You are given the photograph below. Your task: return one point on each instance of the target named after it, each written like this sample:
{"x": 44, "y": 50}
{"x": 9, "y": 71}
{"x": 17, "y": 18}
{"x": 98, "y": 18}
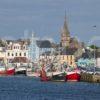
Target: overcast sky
{"x": 46, "y": 17}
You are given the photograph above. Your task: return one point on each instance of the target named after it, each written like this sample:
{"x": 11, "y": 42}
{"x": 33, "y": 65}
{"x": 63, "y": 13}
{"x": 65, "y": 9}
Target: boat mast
{"x": 94, "y": 51}
{"x": 94, "y": 59}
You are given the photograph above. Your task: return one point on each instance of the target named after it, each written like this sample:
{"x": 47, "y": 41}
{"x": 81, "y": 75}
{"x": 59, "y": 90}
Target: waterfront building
{"x": 65, "y": 35}
{"x": 71, "y": 48}
{"x": 46, "y": 51}
{"x": 20, "y": 61}
{"x": 98, "y": 58}
{"x": 16, "y": 49}
{"x": 98, "y": 62}
{"x": 39, "y": 49}
{"x": 33, "y": 49}
{"x": 66, "y": 39}
{"x": 89, "y": 58}
{"x": 86, "y": 62}
{"x": 68, "y": 57}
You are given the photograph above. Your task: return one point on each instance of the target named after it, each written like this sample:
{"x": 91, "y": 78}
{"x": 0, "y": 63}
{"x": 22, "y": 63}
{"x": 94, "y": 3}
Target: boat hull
{"x": 34, "y": 74}
{"x": 43, "y": 76}
{"x": 10, "y": 71}
{"x": 2, "y": 71}
{"x": 20, "y": 70}
{"x": 73, "y": 77}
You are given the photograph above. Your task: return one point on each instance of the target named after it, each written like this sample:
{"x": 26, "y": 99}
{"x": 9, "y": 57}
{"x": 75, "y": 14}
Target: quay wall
{"x": 86, "y": 77}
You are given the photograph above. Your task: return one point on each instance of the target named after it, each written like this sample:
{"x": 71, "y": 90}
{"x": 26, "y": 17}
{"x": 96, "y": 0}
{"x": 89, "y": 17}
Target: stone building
{"x": 66, "y": 39}
{"x": 65, "y": 35}
{"x": 70, "y": 43}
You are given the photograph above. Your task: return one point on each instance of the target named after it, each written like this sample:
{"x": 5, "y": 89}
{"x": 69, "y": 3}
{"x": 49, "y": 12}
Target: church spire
{"x": 65, "y": 27}
{"x": 65, "y": 34}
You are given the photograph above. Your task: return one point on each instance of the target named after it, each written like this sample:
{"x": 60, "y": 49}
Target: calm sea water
{"x": 26, "y": 88}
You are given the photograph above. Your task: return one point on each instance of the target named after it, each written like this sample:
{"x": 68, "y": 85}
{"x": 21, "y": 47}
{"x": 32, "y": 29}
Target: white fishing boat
{"x": 2, "y": 70}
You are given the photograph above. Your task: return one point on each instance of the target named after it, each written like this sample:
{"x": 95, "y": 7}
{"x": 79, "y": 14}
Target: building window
{"x": 16, "y": 54}
{"x": 8, "y": 54}
{"x": 20, "y": 54}
{"x": 24, "y": 54}
{"x": 12, "y": 54}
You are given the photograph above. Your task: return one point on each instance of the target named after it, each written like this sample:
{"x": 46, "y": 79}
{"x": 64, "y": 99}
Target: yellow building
{"x": 68, "y": 55}
{"x": 69, "y": 59}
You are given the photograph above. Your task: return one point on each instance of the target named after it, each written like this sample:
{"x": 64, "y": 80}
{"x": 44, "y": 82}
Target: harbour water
{"x": 29, "y": 88}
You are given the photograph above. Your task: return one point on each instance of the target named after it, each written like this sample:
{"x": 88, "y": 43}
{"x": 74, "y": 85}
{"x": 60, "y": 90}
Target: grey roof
{"x": 44, "y": 44}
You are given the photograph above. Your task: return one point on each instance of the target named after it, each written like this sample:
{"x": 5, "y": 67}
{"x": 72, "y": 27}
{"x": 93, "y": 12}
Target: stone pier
{"x": 86, "y": 77}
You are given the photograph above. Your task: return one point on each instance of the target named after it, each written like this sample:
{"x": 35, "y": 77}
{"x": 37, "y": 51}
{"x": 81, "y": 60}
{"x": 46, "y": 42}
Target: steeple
{"x": 65, "y": 34}
{"x": 65, "y": 27}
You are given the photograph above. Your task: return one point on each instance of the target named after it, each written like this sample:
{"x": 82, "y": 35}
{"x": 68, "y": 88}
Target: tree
{"x": 2, "y": 44}
{"x": 94, "y": 47}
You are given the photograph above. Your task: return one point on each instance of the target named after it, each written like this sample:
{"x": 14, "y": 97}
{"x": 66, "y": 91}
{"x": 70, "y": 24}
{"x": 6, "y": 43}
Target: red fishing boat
{"x": 6, "y": 70}
{"x": 2, "y": 71}
{"x": 73, "y": 75}
{"x": 43, "y": 75}
{"x": 10, "y": 71}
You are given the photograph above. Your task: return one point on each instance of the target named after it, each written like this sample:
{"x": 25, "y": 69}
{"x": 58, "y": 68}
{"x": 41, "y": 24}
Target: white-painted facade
{"x": 98, "y": 62}
{"x": 16, "y": 50}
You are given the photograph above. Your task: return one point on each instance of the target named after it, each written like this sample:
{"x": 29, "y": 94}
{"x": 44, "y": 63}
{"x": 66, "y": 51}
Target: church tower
{"x": 65, "y": 35}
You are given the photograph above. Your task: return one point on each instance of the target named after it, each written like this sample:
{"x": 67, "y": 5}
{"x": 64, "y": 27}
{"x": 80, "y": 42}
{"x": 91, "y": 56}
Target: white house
{"x": 98, "y": 62}
{"x": 16, "y": 49}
